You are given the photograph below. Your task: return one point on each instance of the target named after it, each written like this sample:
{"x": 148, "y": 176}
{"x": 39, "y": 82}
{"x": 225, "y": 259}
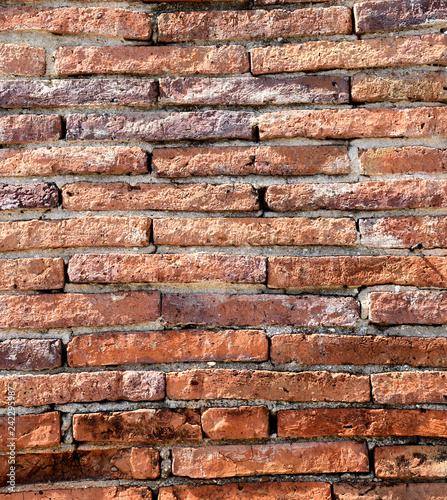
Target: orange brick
{"x": 380, "y": 491}
{"x": 31, "y": 431}
{"x": 22, "y": 60}
{"x": 109, "y": 493}
{"x": 31, "y": 274}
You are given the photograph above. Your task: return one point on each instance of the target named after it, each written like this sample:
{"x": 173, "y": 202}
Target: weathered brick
{"x": 167, "y": 347}
{"x": 246, "y": 460}
{"x": 352, "y": 54}
{"x": 398, "y": 14}
{"x": 32, "y": 196}
{"x": 252, "y": 24}
{"x": 30, "y": 354}
{"x": 354, "y": 123}
{"x": 169, "y": 197}
{"x": 79, "y": 232}
{"x": 243, "y": 422}
{"x": 254, "y": 231}
{"x": 77, "y": 21}
{"x": 65, "y": 310}
{"x": 22, "y": 129}
{"x": 247, "y": 491}
{"x": 144, "y": 426}
{"x": 410, "y": 462}
{"x": 108, "y": 493}
{"x": 160, "y": 126}
{"x": 280, "y": 2}
{"x": 409, "y": 387}
{"x": 208, "y": 60}
{"x": 65, "y": 93}
{"x": 420, "y": 308}
{"x": 31, "y": 431}
{"x": 381, "y": 491}
{"x": 81, "y": 465}
{"x": 361, "y": 422}
{"x": 22, "y": 60}
{"x": 38, "y": 390}
{"x": 112, "y": 160}
{"x": 255, "y": 91}
{"x": 31, "y": 274}
{"x": 256, "y": 310}
{"x": 337, "y": 272}
{"x": 263, "y": 160}
{"x": 308, "y": 349}
{"x": 266, "y": 385}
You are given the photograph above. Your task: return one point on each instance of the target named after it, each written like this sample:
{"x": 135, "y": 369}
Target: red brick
{"x": 337, "y": 272}
{"x": 420, "y": 308}
{"x": 254, "y": 91}
{"x": 160, "y": 126}
{"x": 254, "y": 231}
{"x": 64, "y": 93}
{"x": 112, "y": 160}
{"x": 77, "y": 309}
{"x": 262, "y": 160}
{"x": 140, "y": 426}
{"x": 268, "y": 386}
{"x": 354, "y": 123}
{"x": 167, "y": 347}
{"x": 281, "y": 2}
{"x": 252, "y": 24}
{"x": 22, "y": 60}
{"x": 350, "y": 54}
{"x": 243, "y": 422}
{"x": 255, "y": 310}
{"x": 38, "y": 390}
{"x": 210, "y": 60}
{"x": 380, "y": 491}
{"x": 77, "y": 21}
{"x": 33, "y": 196}
{"x": 308, "y": 349}
{"x": 246, "y": 460}
{"x": 22, "y": 129}
{"x": 169, "y": 197}
{"x": 81, "y": 465}
{"x": 31, "y": 431}
{"x": 166, "y": 268}
{"x": 79, "y": 232}
{"x": 248, "y": 491}
{"x": 31, "y": 274}
{"x": 30, "y": 354}
{"x": 362, "y": 422}
{"x": 109, "y": 493}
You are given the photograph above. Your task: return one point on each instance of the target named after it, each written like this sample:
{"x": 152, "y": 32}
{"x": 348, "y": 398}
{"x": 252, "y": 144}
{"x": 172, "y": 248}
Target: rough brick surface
{"x": 380, "y": 491}
{"x": 22, "y": 60}
{"x": 108, "y": 493}
{"x": 30, "y": 354}
{"x": 31, "y": 431}
{"x": 34, "y": 196}
{"x": 22, "y": 129}
{"x": 31, "y": 274}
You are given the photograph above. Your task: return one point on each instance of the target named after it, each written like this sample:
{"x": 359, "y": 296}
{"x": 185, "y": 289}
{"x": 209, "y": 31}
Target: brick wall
{"x": 223, "y": 246}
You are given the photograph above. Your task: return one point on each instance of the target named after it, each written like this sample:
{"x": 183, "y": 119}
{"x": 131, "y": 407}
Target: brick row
{"x": 91, "y": 493}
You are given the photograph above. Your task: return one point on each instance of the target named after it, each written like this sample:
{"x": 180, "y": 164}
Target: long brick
{"x": 409, "y": 387}
{"x": 65, "y": 93}
{"x": 281, "y": 2}
{"x": 23, "y": 129}
{"x": 78, "y": 232}
{"x": 31, "y": 274}
{"x": 336, "y": 272}
{"x": 30, "y": 354}
{"x": 362, "y": 422}
{"x": 112, "y": 160}
{"x": 269, "y": 386}
{"x": 83, "y": 387}
{"x": 248, "y": 491}
{"x": 167, "y": 347}
{"x": 77, "y": 21}
{"x": 263, "y": 160}
{"x": 83, "y": 465}
{"x": 160, "y": 126}
{"x": 354, "y": 123}
{"x": 245, "y": 460}
{"x": 420, "y": 308}
{"x": 210, "y": 60}
{"x": 254, "y": 231}
{"x": 32, "y": 196}
{"x": 252, "y": 24}
{"x": 370, "y": 53}
{"x": 169, "y": 197}
{"x": 108, "y": 493}
{"x": 22, "y": 60}
{"x": 398, "y": 14}
{"x": 380, "y": 491}
{"x": 410, "y": 462}
{"x": 255, "y": 310}
{"x": 77, "y": 309}
{"x": 31, "y": 431}
{"x": 140, "y": 426}
{"x": 255, "y": 91}
{"x": 243, "y": 422}
{"x": 308, "y": 349}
